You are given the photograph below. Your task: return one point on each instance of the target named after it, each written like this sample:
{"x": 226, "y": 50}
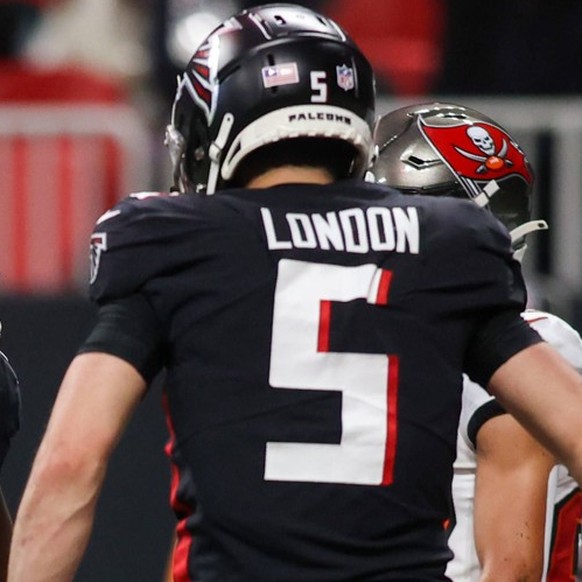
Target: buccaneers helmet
{"x": 273, "y": 72}
{"x": 444, "y": 149}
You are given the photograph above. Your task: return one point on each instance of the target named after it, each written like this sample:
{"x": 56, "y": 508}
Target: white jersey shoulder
{"x": 465, "y": 565}
{"x": 559, "y": 334}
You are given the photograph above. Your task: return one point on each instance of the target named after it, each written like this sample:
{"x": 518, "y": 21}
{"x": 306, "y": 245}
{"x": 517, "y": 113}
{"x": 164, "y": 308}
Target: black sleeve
{"x": 497, "y": 339}
{"x": 487, "y": 411}
{"x": 9, "y": 405}
{"x": 129, "y": 329}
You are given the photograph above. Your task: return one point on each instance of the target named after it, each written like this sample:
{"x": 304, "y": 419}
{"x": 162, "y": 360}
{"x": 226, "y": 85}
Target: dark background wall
{"x": 133, "y": 529}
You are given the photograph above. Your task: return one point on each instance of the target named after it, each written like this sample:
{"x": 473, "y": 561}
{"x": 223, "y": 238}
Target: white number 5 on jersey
{"x": 300, "y": 360}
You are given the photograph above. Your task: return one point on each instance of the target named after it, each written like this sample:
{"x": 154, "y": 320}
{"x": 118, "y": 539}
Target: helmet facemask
{"x": 187, "y": 141}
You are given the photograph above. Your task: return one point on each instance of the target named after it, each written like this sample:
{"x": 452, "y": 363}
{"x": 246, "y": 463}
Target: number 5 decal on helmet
{"x": 318, "y": 86}
{"x": 300, "y": 360}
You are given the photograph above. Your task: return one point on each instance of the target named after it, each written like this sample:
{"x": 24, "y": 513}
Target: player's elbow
{"x": 511, "y": 570}
{"x": 67, "y": 467}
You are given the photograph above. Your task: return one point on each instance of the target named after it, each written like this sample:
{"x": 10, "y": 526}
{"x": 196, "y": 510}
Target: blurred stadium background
{"x": 86, "y": 88}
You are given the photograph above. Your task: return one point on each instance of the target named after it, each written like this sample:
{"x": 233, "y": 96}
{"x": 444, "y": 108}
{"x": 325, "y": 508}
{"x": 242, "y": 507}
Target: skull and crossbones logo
{"x": 483, "y": 140}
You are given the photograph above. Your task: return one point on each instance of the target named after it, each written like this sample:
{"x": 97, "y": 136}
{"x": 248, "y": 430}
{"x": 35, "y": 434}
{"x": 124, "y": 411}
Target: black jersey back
{"x": 315, "y": 337}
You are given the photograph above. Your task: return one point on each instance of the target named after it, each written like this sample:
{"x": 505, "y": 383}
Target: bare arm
{"x": 545, "y": 394}
{"x": 55, "y": 518}
{"x": 5, "y": 535}
{"x": 510, "y": 501}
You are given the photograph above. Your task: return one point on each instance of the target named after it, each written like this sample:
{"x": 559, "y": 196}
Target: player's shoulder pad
{"x": 558, "y": 333}
{"x": 132, "y": 208}
{"x": 125, "y": 236}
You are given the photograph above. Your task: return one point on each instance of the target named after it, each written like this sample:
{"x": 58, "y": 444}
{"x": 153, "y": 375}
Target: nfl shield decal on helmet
{"x": 345, "y": 77}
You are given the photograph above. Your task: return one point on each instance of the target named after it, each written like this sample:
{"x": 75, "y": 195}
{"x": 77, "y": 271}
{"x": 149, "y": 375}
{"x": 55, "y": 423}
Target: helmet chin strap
{"x": 482, "y": 199}
{"x": 215, "y": 151}
{"x": 521, "y": 231}
{"x": 518, "y": 254}
{"x": 527, "y": 227}
{"x": 369, "y": 177}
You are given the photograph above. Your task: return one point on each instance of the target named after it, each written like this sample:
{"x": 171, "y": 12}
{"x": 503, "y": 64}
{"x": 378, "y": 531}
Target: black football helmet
{"x": 273, "y": 72}
{"x": 444, "y": 149}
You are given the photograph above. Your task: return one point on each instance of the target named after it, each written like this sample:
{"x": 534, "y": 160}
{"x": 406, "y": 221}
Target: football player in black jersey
{"x": 9, "y": 424}
{"x": 313, "y": 329}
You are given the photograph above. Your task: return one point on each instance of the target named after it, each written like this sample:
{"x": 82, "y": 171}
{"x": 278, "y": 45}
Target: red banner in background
{"x": 60, "y": 169}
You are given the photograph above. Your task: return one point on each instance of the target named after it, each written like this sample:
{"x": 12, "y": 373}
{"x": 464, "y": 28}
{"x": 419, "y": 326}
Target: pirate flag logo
{"x": 479, "y": 154}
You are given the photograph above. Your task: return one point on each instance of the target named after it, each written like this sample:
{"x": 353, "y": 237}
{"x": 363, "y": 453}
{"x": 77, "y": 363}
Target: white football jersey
{"x": 564, "y": 508}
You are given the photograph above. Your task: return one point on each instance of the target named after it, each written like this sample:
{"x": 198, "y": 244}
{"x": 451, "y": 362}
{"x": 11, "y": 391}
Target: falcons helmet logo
{"x": 200, "y": 80}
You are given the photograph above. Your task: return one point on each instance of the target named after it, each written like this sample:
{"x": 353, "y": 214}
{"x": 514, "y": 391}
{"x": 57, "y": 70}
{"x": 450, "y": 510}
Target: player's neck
{"x": 291, "y": 175}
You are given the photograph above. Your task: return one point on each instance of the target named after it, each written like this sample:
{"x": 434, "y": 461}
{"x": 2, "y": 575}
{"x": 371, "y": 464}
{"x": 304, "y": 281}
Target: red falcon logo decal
{"x": 200, "y": 73}
{"x": 200, "y": 80}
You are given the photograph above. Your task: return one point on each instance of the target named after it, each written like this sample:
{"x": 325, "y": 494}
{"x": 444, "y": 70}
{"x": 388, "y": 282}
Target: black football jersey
{"x": 314, "y": 339}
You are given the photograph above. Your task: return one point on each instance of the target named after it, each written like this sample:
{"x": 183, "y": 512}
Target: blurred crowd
{"x": 418, "y": 47}
{"x": 131, "y": 51}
